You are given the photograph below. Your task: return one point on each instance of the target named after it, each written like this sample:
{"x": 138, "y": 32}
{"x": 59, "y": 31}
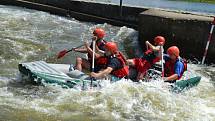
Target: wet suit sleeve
{"x": 114, "y": 63}
{"x": 179, "y": 67}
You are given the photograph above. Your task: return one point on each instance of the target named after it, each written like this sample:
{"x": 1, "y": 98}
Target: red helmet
{"x": 111, "y": 46}
{"x": 159, "y": 40}
{"x": 100, "y": 33}
{"x": 173, "y": 51}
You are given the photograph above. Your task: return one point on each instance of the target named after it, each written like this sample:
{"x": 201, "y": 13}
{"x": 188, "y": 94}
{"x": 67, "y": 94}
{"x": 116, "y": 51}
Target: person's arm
{"x": 96, "y": 47}
{"x": 113, "y": 64}
{"x": 90, "y": 51}
{"x": 81, "y": 50}
{"x": 101, "y": 52}
{"x": 171, "y": 78}
{"x": 101, "y": 73}
{"x": 154, "y": 48}
{"x": 178, "y": 71}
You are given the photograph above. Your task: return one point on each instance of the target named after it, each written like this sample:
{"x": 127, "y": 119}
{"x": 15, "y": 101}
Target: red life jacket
{"x": 169, "y": 68}
{"x": 101, "y": 62}
{"x": 124, "y": 71}
{"x": 150, "y": 56}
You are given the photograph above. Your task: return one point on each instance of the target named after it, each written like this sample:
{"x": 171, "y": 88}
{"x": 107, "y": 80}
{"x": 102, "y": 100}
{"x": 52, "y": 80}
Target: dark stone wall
{"x": 188, "y": 32}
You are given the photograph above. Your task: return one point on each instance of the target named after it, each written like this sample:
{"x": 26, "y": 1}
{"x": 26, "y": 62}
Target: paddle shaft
{"x": 93, "y": 61}
{"x": 75, "y": 48}
{"x": 208, "y": 42}
{"x": 162, "y": 60}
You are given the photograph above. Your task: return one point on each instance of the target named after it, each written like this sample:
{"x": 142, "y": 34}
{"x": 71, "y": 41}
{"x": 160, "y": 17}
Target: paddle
{"x": 162, "y": 66}
{"x": 93, "y": 62}
{"x": 64, "y": 52}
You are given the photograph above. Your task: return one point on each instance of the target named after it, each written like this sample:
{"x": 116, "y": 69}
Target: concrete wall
{"x": 188, "y": 32}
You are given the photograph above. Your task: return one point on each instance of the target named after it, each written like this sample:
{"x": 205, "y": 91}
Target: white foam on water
{"x": 125, "y": 100}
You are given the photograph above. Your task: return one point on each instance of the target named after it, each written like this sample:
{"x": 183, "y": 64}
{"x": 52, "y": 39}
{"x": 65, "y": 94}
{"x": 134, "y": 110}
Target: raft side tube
{"x": 185, "y": 84}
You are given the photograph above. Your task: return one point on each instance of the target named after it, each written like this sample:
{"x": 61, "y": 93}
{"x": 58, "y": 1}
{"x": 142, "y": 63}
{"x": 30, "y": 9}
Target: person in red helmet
{"x": 115, "y": 63}
{"x": 174, "y": 66}
{"x": 98, "y": 35}
{"x": 150, "y": 57}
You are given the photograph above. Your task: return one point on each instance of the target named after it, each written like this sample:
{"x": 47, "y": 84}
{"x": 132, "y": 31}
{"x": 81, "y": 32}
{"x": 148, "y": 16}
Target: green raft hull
{"x": 42, "y": 72}
{"x": 185, "y": 84}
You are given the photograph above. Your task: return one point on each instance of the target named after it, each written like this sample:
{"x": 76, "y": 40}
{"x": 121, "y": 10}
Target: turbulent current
{"x": 28, "y": 35}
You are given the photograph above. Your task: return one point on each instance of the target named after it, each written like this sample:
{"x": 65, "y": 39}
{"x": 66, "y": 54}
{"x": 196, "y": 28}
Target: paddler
{"x": 115, "y": 63}
{"x": 174, "y": 66}
{"x": 150, "y": 57}
{"x": 98, "y": 36}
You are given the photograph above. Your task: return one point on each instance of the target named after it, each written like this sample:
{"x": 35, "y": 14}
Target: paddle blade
{"x": 61, "y": 54}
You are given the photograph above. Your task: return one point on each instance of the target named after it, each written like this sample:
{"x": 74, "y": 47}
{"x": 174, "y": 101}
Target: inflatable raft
{"x": 67, "y": 77}
{"x": 44, "y": 73}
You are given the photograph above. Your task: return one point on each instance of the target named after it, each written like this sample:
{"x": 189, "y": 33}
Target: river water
{"x": 28, "y": 35}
